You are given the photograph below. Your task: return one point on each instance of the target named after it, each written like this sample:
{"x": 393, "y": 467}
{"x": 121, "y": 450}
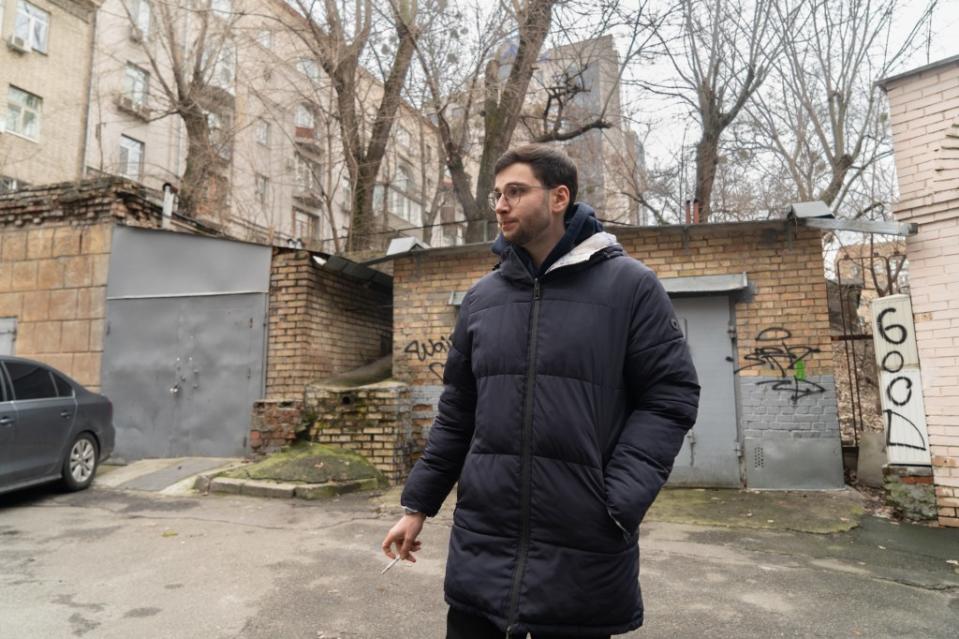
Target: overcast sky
{"x": 672, "y": 125}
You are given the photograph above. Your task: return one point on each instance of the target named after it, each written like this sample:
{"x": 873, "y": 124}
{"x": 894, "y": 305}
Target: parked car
{"x": 51, "y": 427}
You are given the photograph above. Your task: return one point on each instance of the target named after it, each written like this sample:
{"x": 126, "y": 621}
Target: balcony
{"x": 137, "y": 109}
{"x": 307, "y": 139}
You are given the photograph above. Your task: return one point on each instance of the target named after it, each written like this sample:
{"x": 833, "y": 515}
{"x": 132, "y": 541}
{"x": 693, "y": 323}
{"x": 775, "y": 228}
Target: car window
{"x": 63, "y": 386}
{"x": 4, "y": 393}
{"x": 30, "y": 381}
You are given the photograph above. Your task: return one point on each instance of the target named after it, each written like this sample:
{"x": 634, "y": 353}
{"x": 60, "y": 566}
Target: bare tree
{"x": 192, "y": 57}
{"x": 337, "y": 34}
{"x": 821, "y": 116}
{"x": 508, "y": 83}
{"x": 721, "y": 56}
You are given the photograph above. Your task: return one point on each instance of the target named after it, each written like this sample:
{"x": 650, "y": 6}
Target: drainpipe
{"x": 87, "y": 102}
{"x": 169, "y": 201}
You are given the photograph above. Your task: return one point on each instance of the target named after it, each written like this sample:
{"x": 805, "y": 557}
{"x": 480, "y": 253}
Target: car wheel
{"x": 81, "y": 463}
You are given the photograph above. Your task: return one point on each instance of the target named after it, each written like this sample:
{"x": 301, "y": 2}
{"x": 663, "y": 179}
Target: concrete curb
{"x": 212, "y": 483}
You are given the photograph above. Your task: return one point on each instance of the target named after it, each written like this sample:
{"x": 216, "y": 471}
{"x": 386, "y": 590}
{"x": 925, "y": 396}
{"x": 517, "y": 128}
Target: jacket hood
{"x": 581, "y": 225}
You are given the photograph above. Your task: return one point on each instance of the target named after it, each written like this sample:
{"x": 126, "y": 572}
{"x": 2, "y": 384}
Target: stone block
{"x": 75, "y": 336}
{"x": 36, "y": 306}
{"x": 226, "y": 485}
{"x": 39, "y": 243}
{"x": 49, "y": 274}
{"x": 10, "y": 304}
{"x": 77, "y": 271}
{"x": 43, "y": 336}
{"x": 96, "y": 239}
{"x": 101, "y": 267}
{"x": 91, "y": 303}
{"x": 63, "y": 304}
{"x": 86, "y": 368}
{"x": 6, "y": 276}
{"x": 14, "y": 246}
{"x": 66, "y": 241}
{"x": 274, "y": 490}
{"x": 24, "y": 277}
{"x": 96, "y": 334}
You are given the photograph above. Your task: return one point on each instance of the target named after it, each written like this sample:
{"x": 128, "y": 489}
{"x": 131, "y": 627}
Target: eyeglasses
{"x": 512, "y": 193}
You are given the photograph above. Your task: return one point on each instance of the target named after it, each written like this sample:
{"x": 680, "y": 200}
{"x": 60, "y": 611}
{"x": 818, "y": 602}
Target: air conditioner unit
{"x": 125, "y": 102}
{"x": 136, "y": 34}
{"x": 17, "y": 43}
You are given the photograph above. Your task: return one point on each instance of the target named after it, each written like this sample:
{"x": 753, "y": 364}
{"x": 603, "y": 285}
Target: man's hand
{"x": 404, "y": 535}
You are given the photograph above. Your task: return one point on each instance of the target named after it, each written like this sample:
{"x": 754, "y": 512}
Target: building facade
{"x": 924, "y": 111}
{"x": 45, "y": 67}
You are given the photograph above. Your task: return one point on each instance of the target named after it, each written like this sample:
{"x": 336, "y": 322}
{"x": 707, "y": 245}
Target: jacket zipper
{"x": 526, "y": 459}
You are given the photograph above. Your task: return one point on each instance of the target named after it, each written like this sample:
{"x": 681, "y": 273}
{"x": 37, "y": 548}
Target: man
{"x": 568, "y": 391}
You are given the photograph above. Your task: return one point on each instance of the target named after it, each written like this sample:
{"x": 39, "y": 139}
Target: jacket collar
{"x": 512, "y": 266}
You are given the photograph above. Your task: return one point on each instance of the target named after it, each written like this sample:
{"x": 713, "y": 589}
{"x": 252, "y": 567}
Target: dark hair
{"x": 550, "y": 165}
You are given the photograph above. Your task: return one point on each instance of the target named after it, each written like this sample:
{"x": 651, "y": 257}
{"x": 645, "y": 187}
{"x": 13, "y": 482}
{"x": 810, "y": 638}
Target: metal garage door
{"x": 184, "y": 346}
{"x": 710, "y": 454}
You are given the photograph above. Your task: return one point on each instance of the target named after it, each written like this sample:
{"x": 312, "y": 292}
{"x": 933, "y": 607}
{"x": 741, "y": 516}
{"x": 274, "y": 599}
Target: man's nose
{"x": 502, "y": 204}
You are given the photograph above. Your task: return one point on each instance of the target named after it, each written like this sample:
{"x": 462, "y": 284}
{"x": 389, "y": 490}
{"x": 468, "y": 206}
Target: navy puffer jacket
{"x": 566, "y": 400}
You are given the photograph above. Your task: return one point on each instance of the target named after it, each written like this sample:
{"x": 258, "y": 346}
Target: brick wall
{"x": 924, "y": 109}
{"x": 372, "y": 420}
{"x": 787, "y": 291}
{"x": 320, "y": 324}
{"x": 275, "y": 424}
{"x": 54, "y": 257}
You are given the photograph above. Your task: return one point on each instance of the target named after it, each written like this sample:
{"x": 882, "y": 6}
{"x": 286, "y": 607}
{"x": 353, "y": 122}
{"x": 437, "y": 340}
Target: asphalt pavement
{"x": 113, "y": 562}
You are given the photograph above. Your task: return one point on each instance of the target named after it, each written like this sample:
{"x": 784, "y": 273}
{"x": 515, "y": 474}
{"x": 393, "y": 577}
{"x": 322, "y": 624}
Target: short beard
{"x": 525, "y": 235}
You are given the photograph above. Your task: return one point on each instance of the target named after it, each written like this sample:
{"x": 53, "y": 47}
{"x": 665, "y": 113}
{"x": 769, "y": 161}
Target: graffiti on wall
{"x": 788, "y": 361}
{"x": 900, "y": 381}
{"x": 430, "y": 350}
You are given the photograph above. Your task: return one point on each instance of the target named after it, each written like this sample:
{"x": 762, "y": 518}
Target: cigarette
{"x": 390, "y": 565}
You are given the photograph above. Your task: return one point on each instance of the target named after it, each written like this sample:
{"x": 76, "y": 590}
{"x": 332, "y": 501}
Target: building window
{"x": 140, "y": 16}
{"x": 131, "y": 158}
{"x": 222, "y": 71}
{"x": 403, "y": 139}
{"x": 303, "y": 117}
{"x": 32, "y": 26}
{"x": 23, "y": 113}
{"x": 306, "y": 226}
{"x": 220, "y": 138}
{"x": 309, "y": 68}
{"x": 137, "y": 83}
{"x": 265, "y": 38}
{"x": 261, "y": 131}
{"x": 262, "y": 187}
{"x": 401, "y": 202}
{"x": 305, "y": 174}
{"x": 10, "y": 184}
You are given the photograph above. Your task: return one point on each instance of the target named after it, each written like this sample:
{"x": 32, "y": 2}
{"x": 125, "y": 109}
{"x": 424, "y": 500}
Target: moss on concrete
{"x": 309, "y": 463}
{"x": 802, "y": 511}
{"x": 916, "y": 502}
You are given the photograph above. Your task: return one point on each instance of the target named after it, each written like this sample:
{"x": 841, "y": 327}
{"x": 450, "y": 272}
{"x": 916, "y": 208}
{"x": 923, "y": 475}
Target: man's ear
{"x": 559, "y": 199}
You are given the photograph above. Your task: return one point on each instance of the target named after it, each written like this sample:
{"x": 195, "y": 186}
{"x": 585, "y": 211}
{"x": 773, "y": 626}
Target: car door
{"x": 8, "y": 430}
{"x": 44, "y": 420}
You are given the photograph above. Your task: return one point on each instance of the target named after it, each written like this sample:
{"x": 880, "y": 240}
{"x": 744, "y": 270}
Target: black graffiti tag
{"x": 789, "y": 363}
{"x": 428, "y": 349}
{"x": 898, "y": 426}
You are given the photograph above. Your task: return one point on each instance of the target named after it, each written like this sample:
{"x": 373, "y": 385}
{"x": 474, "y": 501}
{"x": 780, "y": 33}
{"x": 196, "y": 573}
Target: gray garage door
{"x": 709, "y": 456}
{"x": 184, "y": 345}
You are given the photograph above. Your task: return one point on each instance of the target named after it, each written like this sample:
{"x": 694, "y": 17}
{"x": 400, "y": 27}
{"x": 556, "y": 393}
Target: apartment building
{"x": 574, "y": 85}
{"x": 44, "y": 80}
{"x": 275, "y": 159}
